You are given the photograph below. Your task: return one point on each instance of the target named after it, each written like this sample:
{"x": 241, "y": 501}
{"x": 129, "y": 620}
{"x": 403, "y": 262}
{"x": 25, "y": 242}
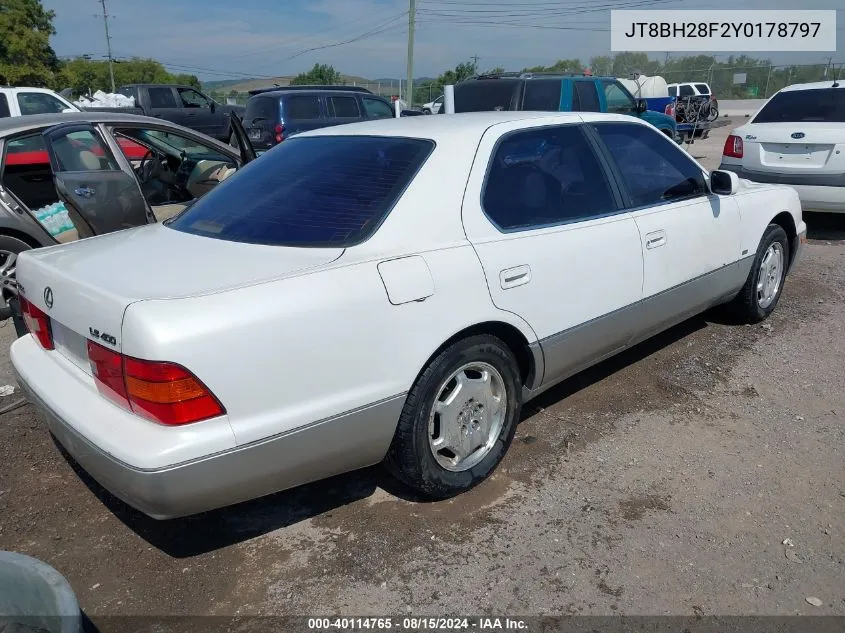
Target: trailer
{"x": 701, "y": 129}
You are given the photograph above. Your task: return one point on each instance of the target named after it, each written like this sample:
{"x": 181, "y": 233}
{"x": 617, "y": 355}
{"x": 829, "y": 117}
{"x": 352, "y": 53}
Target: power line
{"x": 108, "y": 43}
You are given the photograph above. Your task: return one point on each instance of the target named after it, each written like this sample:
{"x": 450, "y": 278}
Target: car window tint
{"x": 653, "y": 169}
{"x": 324, "y": 191}
{"x": 4, "y": 107}
{"x": 687, "y": 91}
{"x": 702, "y": 88}
{"x": 485, "y": 95}
{"x": 543, "y": 177}
{"x": 585, "y": 97}
{"x": 162, "y": 98}
{"x": 377, "y": 109}
{"x": 804, "y": 106}
{"x": 39, "y": 103}
{"x": 27, "y": 173}
{"x": 542, "y": 94}
{"x": 302, "y": 108}
{"x": 82, "y": 151}
{"x": 673, "y": 91}
{"x": 260, "y": 109}
{"x": 192, "y": 99}
{"x": 618, "y": 100}
{"x": 343, "y": 107}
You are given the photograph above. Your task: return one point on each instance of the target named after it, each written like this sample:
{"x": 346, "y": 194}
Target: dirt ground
{"x": 664, "y": 481}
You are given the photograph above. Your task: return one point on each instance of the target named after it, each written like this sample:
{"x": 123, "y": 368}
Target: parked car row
{"x": 311, "y": 266}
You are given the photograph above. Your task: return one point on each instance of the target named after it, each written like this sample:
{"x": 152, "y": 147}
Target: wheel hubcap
{"x": 467, "y": 416}
{"x": 8, "y": 265}
{"x": 770, "y": 276}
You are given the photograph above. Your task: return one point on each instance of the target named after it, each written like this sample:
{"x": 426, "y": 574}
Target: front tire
{"x": 762, "y": 290}
{"x": 459, "y": 418}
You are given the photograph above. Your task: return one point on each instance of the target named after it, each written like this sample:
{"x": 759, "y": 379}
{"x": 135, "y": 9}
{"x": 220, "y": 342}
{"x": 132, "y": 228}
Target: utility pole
{"x": 108, "y": 43}
{"x": 409, "y": 88}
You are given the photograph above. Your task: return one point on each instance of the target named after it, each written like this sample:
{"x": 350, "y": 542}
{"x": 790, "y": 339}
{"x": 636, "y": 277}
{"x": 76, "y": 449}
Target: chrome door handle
{"x": 655, "y": 239}
{"x": 85, "y": 192}
{"x": 513, "y": 277}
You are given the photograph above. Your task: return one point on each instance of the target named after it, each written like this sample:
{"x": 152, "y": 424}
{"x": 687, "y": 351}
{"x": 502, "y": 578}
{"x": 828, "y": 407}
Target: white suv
{"x": 797, "y": 138}
{"x": 23, "y": 101}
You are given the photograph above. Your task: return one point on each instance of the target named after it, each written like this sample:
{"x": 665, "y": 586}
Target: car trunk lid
{"x": 85, "y": 287}
{"x": 801, "y": 148}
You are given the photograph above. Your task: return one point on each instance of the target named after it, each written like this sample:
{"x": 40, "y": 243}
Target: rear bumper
{"x": 824, "y": 194}
{"x": 353, "y": 440}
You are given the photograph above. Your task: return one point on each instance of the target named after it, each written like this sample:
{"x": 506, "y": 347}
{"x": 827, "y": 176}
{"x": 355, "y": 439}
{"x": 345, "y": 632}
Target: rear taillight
{"x": 733, "y": 147}
{"x": 37, "y": 323}
{"x": 669, "y": 110}
{"x": 280, "y": 133}
{"x": 162, "y": 392}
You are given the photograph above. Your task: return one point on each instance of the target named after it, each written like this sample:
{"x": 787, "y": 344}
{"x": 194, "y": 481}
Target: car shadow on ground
{"x": 825, "y": 226}
{"x": 199, "y": 534}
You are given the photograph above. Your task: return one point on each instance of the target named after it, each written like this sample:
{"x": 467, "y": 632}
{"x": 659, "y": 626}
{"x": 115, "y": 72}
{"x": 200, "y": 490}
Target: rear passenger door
{"x": 556, "y": 246}
{"x": 343, "y": 109}
{"x": 162, "y": 103}
{"x": 542, "y": 95}
{"x": 301, "y": 113}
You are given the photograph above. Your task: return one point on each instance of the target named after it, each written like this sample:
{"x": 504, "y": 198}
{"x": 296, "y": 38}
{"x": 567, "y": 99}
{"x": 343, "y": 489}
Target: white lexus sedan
{"x": 389, "y": 291}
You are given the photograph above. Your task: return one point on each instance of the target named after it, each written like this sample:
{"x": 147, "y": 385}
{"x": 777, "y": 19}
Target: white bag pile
{"x": 102, "y": 99}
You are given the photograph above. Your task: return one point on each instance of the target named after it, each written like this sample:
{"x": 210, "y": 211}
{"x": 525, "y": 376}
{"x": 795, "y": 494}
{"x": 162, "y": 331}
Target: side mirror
{"x": 212, "y": 106}
{"x": 724, "y": 183}
{"x": 641, "y": 106}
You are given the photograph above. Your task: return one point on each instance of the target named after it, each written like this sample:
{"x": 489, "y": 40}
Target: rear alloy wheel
{"x": 762, "y": 289}
{"x": 10, "y": 248}
{"x": 459, "y": 418}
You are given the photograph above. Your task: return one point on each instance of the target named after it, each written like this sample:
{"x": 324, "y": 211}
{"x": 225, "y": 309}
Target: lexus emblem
{"x": 798, "y": 135}
{"x": 48, "y": 297}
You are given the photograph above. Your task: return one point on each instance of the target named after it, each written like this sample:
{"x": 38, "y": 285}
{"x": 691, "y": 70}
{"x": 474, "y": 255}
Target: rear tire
{"x": 451, "y": 406}
{"x": 762, "y": 290}
{"x": 11, "y": 247}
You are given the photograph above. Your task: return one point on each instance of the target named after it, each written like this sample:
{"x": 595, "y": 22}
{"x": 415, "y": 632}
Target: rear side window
{"x": 343, "y": 107}
{"x": 377, "y": 109}
{"x": 261, "y": 109}
{"x": 162, "y": 98}
{"x": 322, "y": 191}
{"x": 4, "y": 107}
{"x": 542, "y": 94}
{"x": 585, "y": 97}
{"x": 804, "y": 106}
{"x": 302, "y": 107}
{"x": 673, "y": 91}
{"x": 702, "y": 88}
{"x": 484, "y": 95}
{"x": 687, "y": 91}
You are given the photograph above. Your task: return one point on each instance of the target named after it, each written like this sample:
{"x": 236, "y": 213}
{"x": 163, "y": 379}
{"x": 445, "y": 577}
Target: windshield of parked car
{"x": 805, "y": 106}
{"x": 322, "y": 191}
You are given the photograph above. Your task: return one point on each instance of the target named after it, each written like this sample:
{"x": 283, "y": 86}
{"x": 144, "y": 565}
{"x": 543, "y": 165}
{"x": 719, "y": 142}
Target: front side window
{"x": 192, "y": 99}
{"x": 377, "y": 109}
{"x": 804, "y": 106}
{"x": 322, "y": 191}
{"x": 39, "y": 103}
{"x": 653, "y": 169}
{"x": 618, "y": 100}
{"x": 544, "y": 177}
{"x": 585, "y": 97}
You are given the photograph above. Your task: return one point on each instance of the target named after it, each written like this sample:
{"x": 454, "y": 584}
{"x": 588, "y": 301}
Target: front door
{"x": 690, "y": 237}
{"x": 555, "y": 245}
{"x": 100, "y": 197}
{"x": 200, "y": 113}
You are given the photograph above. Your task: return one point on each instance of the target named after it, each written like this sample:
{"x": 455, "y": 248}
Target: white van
{"x": 23, "y": 101}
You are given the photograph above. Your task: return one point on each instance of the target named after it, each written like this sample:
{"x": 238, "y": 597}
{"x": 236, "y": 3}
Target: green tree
{"x": 560, "y": 66}
{"x": 26, "y": 57}
{"x": 601, "y": 66}
{"x": 86, "y": 75}
{"x": 319, "y": 75}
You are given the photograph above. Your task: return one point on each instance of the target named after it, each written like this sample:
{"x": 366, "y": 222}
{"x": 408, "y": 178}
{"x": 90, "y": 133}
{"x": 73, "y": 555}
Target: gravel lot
{"x": 664, "y": 481}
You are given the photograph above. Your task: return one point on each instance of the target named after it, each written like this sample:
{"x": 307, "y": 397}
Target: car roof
{"x": 439, "y": 127}
{"x": 816, "y": 85}
{"x": 16, "y": 124}
{"x": 283, "y": 92}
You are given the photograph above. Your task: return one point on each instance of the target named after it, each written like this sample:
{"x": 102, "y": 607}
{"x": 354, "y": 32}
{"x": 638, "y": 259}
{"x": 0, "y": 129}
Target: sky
{"x": 221, "y": 39}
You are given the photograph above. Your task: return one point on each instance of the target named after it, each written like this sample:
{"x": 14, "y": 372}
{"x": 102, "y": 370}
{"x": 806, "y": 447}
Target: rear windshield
{"x": 484, "y": 95}
{"x": 261, "y": 109}
{"x": 324, "y": 191}
{"x": 805, "y": 106}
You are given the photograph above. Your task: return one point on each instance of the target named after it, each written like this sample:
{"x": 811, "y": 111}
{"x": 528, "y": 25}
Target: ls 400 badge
{"x": 102, "y": 336}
